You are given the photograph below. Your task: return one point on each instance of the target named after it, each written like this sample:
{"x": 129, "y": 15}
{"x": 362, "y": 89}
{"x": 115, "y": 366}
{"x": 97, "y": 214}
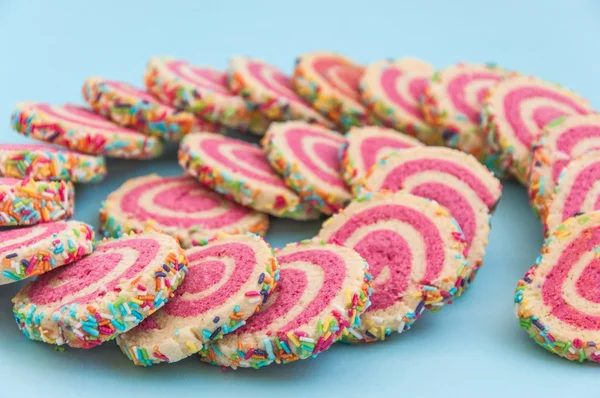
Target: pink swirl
{"x": 82, "y": 117}
{"x": 134, "y": 92}
{"x": 457, "y": 92}
{"x": 279, "y": 84}
{"x": 202, "y": 78}
{"x": 568, "y": 140}
{"x": 333, "y": 70}
{"x": 40, "y": 232}
{"x": 583, "y": 184}
{"x": 370, "y": 147}
{"x": 390, "y": 78}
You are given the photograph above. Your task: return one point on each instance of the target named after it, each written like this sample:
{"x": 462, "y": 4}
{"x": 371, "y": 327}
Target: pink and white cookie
{"x": 556, "y": 302}
{"x": 307, "y": 156}
{"x": 47, "y": 162}
{"x": 330, "y": 83}
{"x": 227, "y": 282}
{"x": 131, "y": 107}
{"x": 514, "y": 114}
{"x": 178, "y": 206}
{"x": 32, "y": 251}
{"x": 566, "y": 139}
{"x": 202, "y": 91}
{"x": 240, "y": 171}
{"x": 29, "y": 202}
{"x": 415, "y": 255}
{"x": 82, "y": 130}
{"x": 452, "y": 102}
{"x": 266, "y": 89}
{"x": 392, "y": 89}
{"x": 365, "y": 146}
{"x": 104, "y": 294}
{"x": 454, "y": 179}
{"x": 322, "y": 291}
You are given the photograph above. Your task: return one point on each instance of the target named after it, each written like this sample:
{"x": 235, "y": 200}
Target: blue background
{"x": 472, "y": 347}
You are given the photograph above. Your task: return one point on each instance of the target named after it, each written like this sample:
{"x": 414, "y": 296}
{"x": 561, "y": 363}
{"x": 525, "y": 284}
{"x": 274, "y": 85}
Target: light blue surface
{"x": 473, "y": 347}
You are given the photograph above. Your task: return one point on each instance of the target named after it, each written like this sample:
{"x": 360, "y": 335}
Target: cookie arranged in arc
{"x": 514, "y": 113}
{"x": 453, "y": 102}
{"x": 392, "y": 89}
{"x": 32, "y": 251}
{"x": 178, "y": 206}
{"x": 365, "y": 146}
{"x": 556, "y": 302}
{"x": 307, "y": 156}
{"x": 29, "y": 202}
{"x": 82, "y": 130}
{"x": 46, "y": 162}
{"x": 131, "y": 107}
{"x": 202, "y": 91}
{"x": 566, "y": 139}
{"x": 104, "y": 294}
{"x": 322, "y": 291}
{"x": 227, "y": 281}
{"x": 454, "y": 179}
{"x": 415, "y": 255}
{"x": 266, "y": 89}
{"x": 240, "y": 171}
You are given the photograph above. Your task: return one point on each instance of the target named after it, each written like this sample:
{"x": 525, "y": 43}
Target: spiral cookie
{"x": 29, "y": 202}
{"x": 329, "y": 82}
{"x": 104, "y": 294}
{"x": 134, "y": 108}
{"x": 81, "y": 130}
{"x": 178, "y": 206}
{"x": 456, "y": 180}
{"x": 45, "y": 162}
{"x": 556, "y": 301}
{"x": 241, "y": 172}
{"x": 415, "y": 254}
{"x": 566, "y": 139}
{"x": 514, "y": 113}
{"x": 202, "y": 91}
{"x": 452, "y": 101}
{"x": 321, "y": 293}
{"x": 267, "y": 89}
{"x": 32, "y": 251}
{"x": 227, "y": 282}
{"x": 365, "y": 146}
{"x": 392, "y": 90}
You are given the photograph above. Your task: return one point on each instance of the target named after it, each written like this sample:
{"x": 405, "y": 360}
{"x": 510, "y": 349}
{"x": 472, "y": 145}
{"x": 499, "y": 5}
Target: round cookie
{"x": 178, "y": 206}
{"x": 240, "y": 171}
{"x": 330, "y": 83}
{"x": 45, "y": 162}
{"x": 81, "y": 130}
{"x": 322, "y": 291}
{"x": 566, "y": 139}
{"x": 415, "y": 255}
{"x": 455, "y": 180}
{"x": 307, "y": 156}
{"x": 32, "y": 251}
{"x": 104, "y": 294}
{"x": 365, "y": 146}
{"x": 556, "y": 301}
{"x": 266, "y": 89}
{"x": 202, "y": 91}
{"x": 392, "y": 89}
{"x": 131, "y": 107}
{"x": 514, "y": 113}
{"x": 452, "y": 101}
{"x": 227, "y": 281}
{"x": 29, "y": 202}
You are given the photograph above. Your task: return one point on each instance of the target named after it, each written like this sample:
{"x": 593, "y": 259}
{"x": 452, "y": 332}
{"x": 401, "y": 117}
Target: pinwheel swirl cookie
{"x": 456, "y": 180}
{"x": 566, "y": 139}
{"x": 32, "y": 251}
{"x": 104, "y": 294}
{"x": 178, "y": 206}
{"x": 227, "y": 282}
{"x": 240, "y": 171}
{"x": 415, "y": 255}
{"x": 80, "y": 129}
{"x": 557, "y": 299}
{"x": 202, "y": 91}
{"x": 322, "y": 291}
